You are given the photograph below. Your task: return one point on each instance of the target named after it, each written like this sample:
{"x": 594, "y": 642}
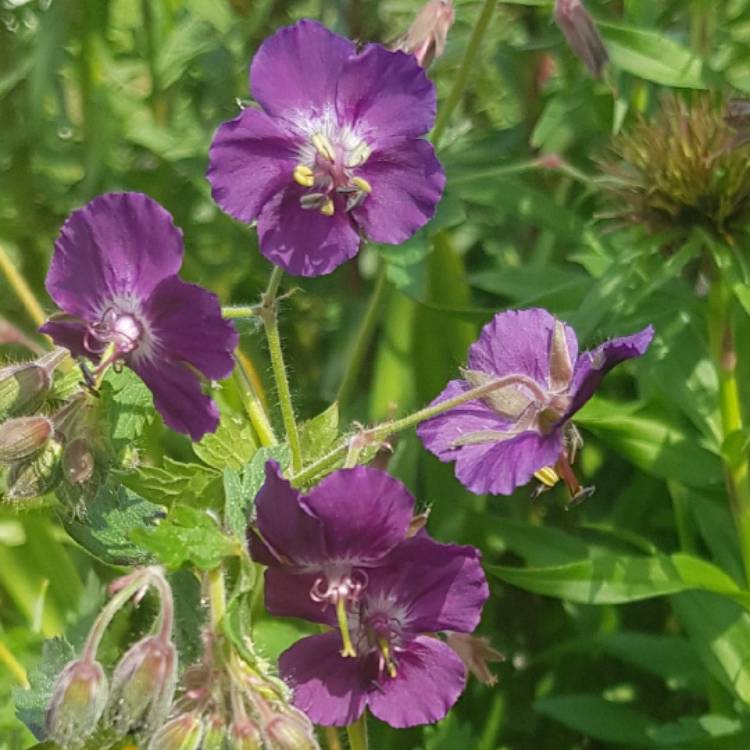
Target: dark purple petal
{"x": 305, "y": 242}
{"x": 251, "y": 158}
{"x": 186, "y": 323}
{"x": 441, "y": 586}
{"x": 365, "y": 513}
{"x": 329, "y": 688}
{"x": 518, "y": 341}
{"x": 594, "y": 365}
{"x": 407, "y": 183}
{"x": 429, "y": 681}
{"x": 178, "y": 397}
{"x": 117, "y": 245}
{"x": 386, "y": 94}
{"x": 67, "y": 333}
{"x": 295, "y": 71}
{"x": 287, "y": 594}
{"x": 288, "y": 528}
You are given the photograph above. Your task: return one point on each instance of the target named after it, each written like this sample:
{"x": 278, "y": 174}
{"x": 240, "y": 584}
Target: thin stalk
{"x": 253, "y": 407}
{"x": 21, "y": 288}
{"x": 380, "y": 432}
{"x": 363, "y": 340}
{"x": 681, "y": 510}
{"x": 472, "y": 49}
{"x": 332, "y": 738}
{"x": 238, "y": 312}
{"x": 13, "y": 666}
{"x": 736, "y": 469}
{"x": 271, "y": 324}
{"x": 217, "y": 596}
{"x": 357, "y": 733}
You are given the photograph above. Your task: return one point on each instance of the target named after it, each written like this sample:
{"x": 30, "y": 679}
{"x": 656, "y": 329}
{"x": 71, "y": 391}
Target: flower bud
{"x": 426, "y": 37}
{"x": 475, "y": 652}
{"x": 37, "y": 475}
{"x": 22, "y": 437}
{"x": 582, "y": 35}
{"x": 78, "y": 461}
{"x": 184, "y": 732}
{"x": 22, "y": 388}
{"x": 290, "y": 730}
{"x": 215, "y": 735}
{"x": 244, "y": 735}
{"x": 77, "y": 703}
{"x": 143, "y": 686}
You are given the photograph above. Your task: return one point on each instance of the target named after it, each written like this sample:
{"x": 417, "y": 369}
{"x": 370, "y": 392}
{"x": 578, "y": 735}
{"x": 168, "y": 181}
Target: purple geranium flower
{"x": 320, "y": 546}
{"x": 500, "y": 441}
{"x": 405, "y": 676}
{"x": 114, "y": 275}
{"x": 334, "y": 149}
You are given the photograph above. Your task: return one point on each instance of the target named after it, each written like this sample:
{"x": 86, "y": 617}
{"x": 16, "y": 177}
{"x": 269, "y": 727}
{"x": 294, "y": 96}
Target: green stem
{"x": 21, "y": 288}
{"x": 472, "y": 49}
{"x": 357, "y": 733}
{"x": 253, "y": 407}
{"x": 237, "y": 312}
{"x": 268, "y": 312}
{"x": 736, "y": 470}
{"x": 14, "y": 666}
{"x": 217, "y": 597}
{"x": 364, "y": 338}
{"x": 379, "y": 433}
{"x": 681, "y": 510}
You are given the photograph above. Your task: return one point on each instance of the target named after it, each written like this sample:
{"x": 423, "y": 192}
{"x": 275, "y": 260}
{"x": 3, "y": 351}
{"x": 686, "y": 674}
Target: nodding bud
{"x": 143, "y": 686}
{"x": 78, "y": 700}
{"x": 244, "y": 735}
{"x": 22, "y": 388}
{"x": 475, "y": 652}
{"x": 582, "y": 34}
{"x": 22, "y": 437}
{"x": 35, "y": 476}
{"x": 78, "y": 461}
{"x": 184, "y": 732}
{"x": 289, "y": 730}
{"x": 426, "y": 37}
{"x": 215, "y": 734}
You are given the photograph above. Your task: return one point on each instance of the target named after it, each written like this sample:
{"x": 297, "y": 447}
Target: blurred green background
{"x": 101, "y": 95}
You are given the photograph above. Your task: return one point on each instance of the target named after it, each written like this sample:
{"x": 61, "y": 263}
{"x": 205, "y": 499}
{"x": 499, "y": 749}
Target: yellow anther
{"x": 386, "y": 651}
{"x": 547, "y": 476}
{"x": 362, "y": 184}
{"x": 346, "y": 640}
{"x": 328, "y": 209}
{"x": 324, "y": 146}
{"x": 304, "y": 176}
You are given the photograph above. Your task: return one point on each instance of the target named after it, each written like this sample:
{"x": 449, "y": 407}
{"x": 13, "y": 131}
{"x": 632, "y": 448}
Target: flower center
{"x": 116, "y": 328}
{"x": 328, "y": 162}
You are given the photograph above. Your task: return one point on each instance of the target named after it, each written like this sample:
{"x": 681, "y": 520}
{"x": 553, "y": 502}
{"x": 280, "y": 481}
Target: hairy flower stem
{"x": 357, "y": 733}
{"x": 364, "y": 337}
{"x": 238, "y": 312}
{"x": 268, "y": 313}
{"x": 253, "y": 407}
{"x": 217, "y": 597}
{"x": 467, "y": 64}
{"x": 380, "y": 432}
{"x": 734, "y": 457}
{"x": 21, "y": 288}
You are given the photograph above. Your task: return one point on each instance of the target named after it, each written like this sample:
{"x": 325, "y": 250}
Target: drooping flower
{"x": 426, "y": 37}
{"x": 334, "y": 150}
{"x": 321, "y": 546}
{"x": 113, "y": 273}
{"x": 499, "y": 442}
{"x": 403, "y": 675}
{"x": 582, "y": 34}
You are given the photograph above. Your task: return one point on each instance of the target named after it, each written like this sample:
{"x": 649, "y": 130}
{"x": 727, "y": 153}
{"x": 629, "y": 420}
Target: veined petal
{"x": 304, "y": 242}
{"x": 328, "y": 687}
{"x": 119, "y": 245}
{"x": 291, "y": 532}
{"x": 287, "y": 594}
{"x": 387, "y": 94}
{"x": 594, "y": 365}
{"x": 251, "y": 158}
{"x": 519, "y": 341}
{"x": 407, "y": 184}
{"x": 429, "y": 680}
{"x": 67, "y": 333}
{"x": 178, "y": 397}
{"x": 186, "y": 322}
{"x": 365, "y": 513}
{"x": 295, "y": 71}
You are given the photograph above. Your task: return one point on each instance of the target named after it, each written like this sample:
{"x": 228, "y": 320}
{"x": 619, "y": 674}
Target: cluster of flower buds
{"x": 227, "y": 703}
{"x": 138, "y": 697}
